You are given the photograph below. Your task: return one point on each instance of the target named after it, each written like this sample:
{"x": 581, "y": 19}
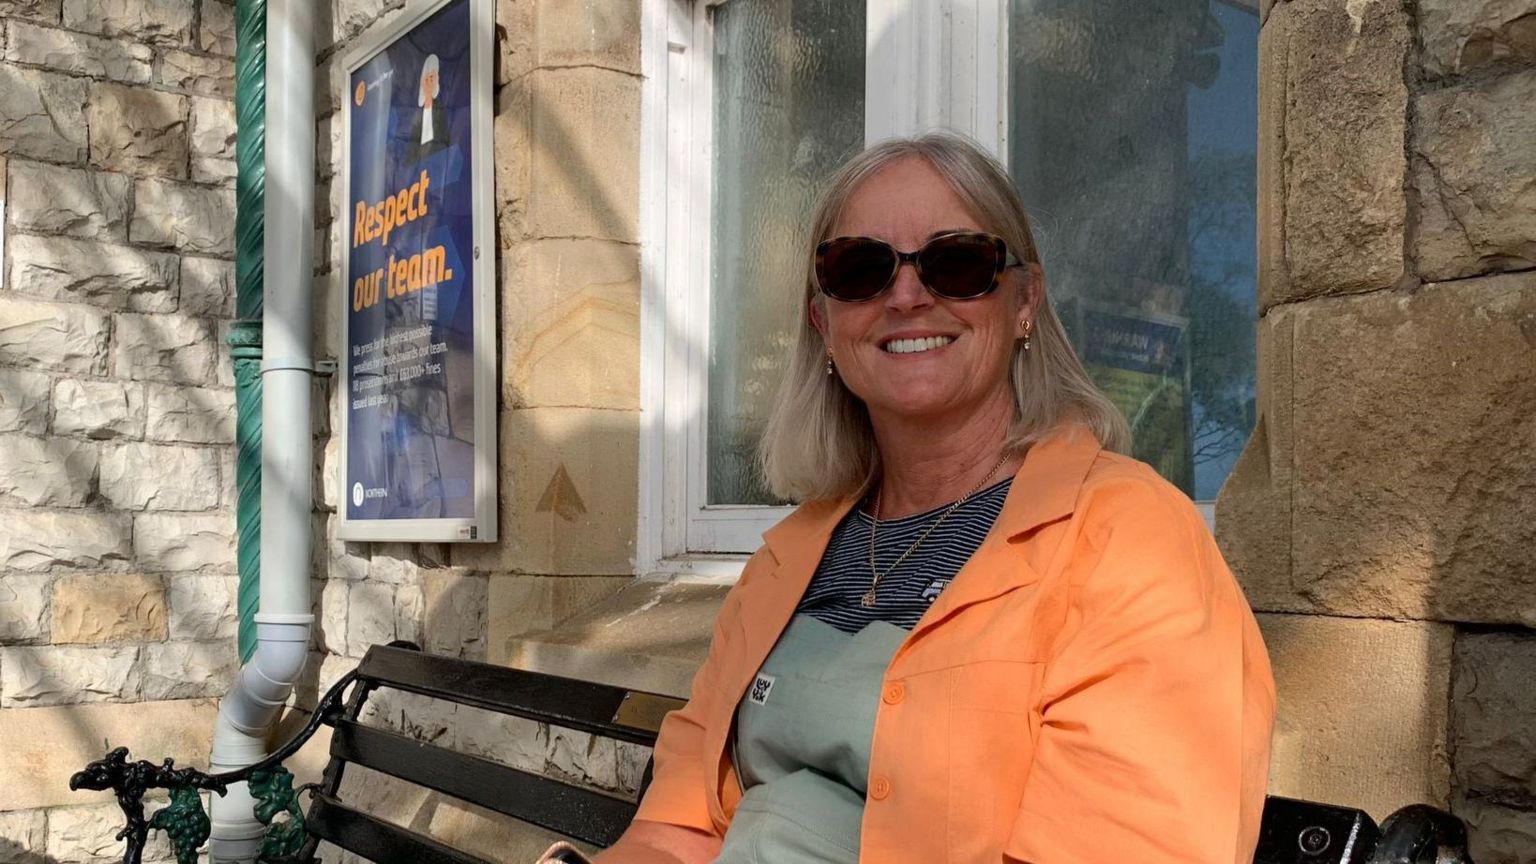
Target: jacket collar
{"x": 1045, "y": 489}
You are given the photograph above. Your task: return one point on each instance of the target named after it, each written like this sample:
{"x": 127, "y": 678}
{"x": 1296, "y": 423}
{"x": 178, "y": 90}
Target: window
{"x": 1129, "y": 126}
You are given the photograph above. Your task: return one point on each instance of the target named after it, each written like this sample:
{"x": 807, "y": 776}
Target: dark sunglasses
{"x": 961, "y": 265}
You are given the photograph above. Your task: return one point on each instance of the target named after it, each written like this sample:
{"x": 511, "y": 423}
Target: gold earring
{"x": 1028, "y": 325}
{"x": 829, "y": 362}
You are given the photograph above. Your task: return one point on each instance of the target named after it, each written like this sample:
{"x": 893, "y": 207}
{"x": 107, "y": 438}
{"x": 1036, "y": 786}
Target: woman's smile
{"x": 909, "y": 346}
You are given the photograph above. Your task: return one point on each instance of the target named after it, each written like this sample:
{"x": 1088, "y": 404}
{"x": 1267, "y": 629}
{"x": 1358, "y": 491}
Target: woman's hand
{"x": 658, "y": 843}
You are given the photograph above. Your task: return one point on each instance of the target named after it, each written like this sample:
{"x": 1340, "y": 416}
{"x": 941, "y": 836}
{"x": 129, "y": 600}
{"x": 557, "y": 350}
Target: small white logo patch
{"x": 761, "y": 688}
{"x": 931, "y": 593}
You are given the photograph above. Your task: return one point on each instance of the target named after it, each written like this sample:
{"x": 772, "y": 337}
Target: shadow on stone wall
{"x": 13, "y": 853}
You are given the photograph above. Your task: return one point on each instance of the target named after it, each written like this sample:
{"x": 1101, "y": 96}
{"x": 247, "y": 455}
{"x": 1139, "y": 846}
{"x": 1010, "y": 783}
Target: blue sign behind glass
{"x": 410, "y": 247}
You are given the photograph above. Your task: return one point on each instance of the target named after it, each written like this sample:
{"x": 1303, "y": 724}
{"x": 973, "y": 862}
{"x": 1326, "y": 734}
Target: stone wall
{"x": 566, "y": 163}
{"x": 1384, "y": 511}
{"x": 116, "y": 410}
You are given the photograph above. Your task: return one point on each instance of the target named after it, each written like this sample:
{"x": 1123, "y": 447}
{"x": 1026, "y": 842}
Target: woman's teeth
{"x": 913, "y": 346}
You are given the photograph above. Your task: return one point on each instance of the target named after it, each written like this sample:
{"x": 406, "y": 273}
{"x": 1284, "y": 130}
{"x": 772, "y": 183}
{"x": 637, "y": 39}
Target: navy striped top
{"x": 843, "y": 576}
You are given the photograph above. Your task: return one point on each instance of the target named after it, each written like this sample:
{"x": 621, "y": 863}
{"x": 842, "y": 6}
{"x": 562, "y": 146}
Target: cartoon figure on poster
{"x": 432, "y": 131}
{"x": 410, "y": 431}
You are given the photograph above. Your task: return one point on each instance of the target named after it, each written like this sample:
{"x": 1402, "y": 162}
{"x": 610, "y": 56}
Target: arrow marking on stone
{"x": 561, "y": 497}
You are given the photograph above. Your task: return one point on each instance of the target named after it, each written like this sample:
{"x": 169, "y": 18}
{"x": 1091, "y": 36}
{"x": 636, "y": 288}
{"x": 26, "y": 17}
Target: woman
{"x": 987, "y": 635}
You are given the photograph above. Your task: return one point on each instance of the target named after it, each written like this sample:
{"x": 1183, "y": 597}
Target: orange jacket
{"x": 1091, "y": 687}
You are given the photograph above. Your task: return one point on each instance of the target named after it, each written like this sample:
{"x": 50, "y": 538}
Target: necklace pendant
{"x": 868, "y": 600}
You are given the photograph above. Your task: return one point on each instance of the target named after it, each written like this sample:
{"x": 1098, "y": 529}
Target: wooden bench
{"x": 1292, "y": 832}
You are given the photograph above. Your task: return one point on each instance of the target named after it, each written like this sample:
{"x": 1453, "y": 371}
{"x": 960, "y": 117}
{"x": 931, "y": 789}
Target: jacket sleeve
{"x": 682, "y": 782}
{"x": 1158, "y": 702}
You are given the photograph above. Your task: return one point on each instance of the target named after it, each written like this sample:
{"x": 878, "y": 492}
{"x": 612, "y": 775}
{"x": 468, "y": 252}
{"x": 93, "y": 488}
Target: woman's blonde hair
{"x": 818, "y": 442}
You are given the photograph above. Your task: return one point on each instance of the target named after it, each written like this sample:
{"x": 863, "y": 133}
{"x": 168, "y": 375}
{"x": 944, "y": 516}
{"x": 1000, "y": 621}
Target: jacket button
{"x": 879, "y": 789}
{"x": 894, "y": 693}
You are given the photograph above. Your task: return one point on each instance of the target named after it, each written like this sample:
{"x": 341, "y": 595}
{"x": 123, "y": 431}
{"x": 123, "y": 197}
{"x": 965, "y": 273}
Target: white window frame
{"x": 929, "y": 64}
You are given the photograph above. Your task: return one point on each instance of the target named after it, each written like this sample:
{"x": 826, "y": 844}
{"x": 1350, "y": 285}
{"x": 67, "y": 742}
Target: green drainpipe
{"x": 245, "y": 336}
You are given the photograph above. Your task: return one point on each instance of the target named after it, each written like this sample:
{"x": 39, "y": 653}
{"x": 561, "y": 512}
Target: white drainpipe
{"x": 248, "y": 713}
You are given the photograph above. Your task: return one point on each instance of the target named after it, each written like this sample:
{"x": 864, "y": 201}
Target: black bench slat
{"x": 377, "y": 840}
{"x": 587, "y": 815}
{"x": 579, "y": 705}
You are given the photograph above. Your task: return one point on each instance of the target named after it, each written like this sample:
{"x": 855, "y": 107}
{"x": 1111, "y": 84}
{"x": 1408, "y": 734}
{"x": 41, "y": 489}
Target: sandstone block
{"x": 216, "y": 32}
{"x": 24, "y": 608}
{"x": 42, "y": 115}
{"x": 105, "y": 275}
{"x": 229, "y": 482}
{"x": 184, "y": 541}
{"x": 516, "y": 36}
{"x": 370, "y": 616}
{"x": 45, "y": 745}
{"x": 137, "y": 130}
{"x": 64, "y": 51}
{"x": 1494, "y": 701}
{"x": 53, "y": 199}
{"x": 161, "y": 22}
{"x": 644, "y": 634}
{"x": 513, "y": 741}
{"x": 207, "y": 287}
{"x": 202, "y": 608}
{"x": 108, "y": 607}
{"x": 223, "y": 363}
{"x": 206, "y": 169}
{"x": 90, "y": 834}
{"x": 189, "y": 670}
{"x": 341, "y": 560}
{"x": 1475, "y": 166}
{"x": 98, "y": 409}
{"x": 328, "y": 475}
{"x": 348, "y": 18}
{"x": 1498, "y": 835}
{"x": 572, "y": 508}
{"x": 589, "y": 33}
{"x": 1466, "y": 35}
{"x": 1344, "y": 124}
{"x": 327, "y": 146}
{"x": 583, "y": 758}
{"x": 455, "y": 613}
{"x": 213, "y": 122}
{"x": 46, "y": 472}
{"x": 333, "y": 616}
{"x": 410, "y": 606}
{"x": 1269, "y": 155}
{"x": 163, "y": 348}
{"x": 23, "y": 401}
{"x": 194, "y": 219}
{"x": 393, "y": 564}
{"x": 65, "y": 675}
{"x": 419, "y": 717}
{"x": 585, "y": 127}
{"x": 573, "y": 331}
{"x": 1409, "y": 501}
{"x": 1330, "y": 673}
{"x": 41, "y": 10}
{"x": 23, "y": 834}
{"x": 41, "y": 539}
{"x": 196, "y": 415}
{"x": 139, "y": 476}
{"x": 198, "y": 73}
{"x": 68, "y": 337}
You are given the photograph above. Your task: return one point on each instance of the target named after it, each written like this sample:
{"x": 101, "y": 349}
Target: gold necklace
{"x": 868, "y": 600}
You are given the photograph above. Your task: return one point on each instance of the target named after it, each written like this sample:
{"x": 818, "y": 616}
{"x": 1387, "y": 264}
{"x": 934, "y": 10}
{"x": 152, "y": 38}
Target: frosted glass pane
{"x": 1133, "y": 125}
{"x": 789, "y": 109}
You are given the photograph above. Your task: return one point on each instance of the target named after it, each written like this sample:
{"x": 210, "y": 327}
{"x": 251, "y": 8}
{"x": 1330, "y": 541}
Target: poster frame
{"x": 378, "y": 37}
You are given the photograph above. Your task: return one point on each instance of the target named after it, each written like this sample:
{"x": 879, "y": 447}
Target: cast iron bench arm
{"x": 183, "y": 819}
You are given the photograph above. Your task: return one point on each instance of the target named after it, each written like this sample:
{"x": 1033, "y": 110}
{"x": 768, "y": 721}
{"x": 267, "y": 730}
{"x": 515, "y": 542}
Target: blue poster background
{"x": 409, "y": 238}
